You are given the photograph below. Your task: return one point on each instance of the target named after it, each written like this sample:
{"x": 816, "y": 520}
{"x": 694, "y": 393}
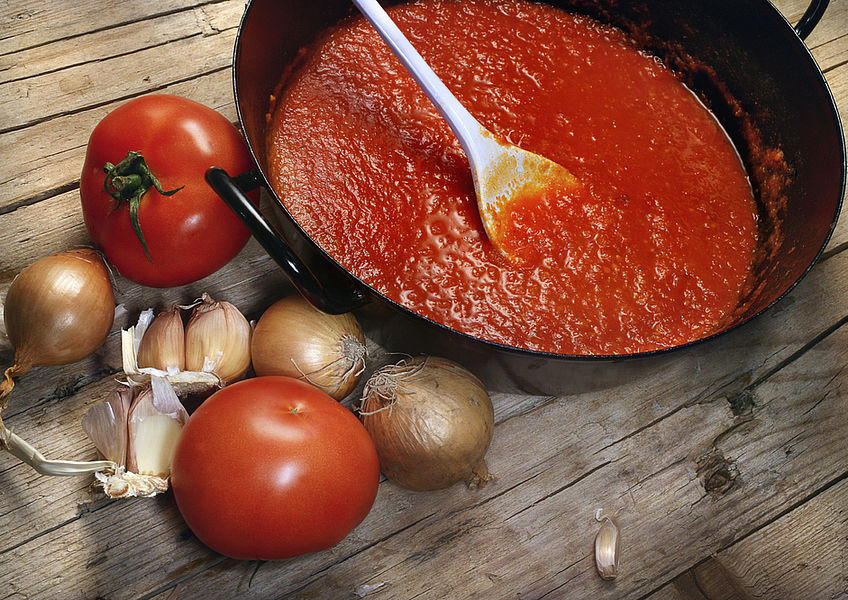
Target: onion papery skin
{"x": 295, "y": 339}
{"x": 59, "y": 309}
{"x": 431, "y": 421}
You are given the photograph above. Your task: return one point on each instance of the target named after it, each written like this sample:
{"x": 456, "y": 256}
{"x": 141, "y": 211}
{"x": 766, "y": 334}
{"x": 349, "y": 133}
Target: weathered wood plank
{"x": 802, "y": 554}
{"x": 124, "y": 38}
{"x": 40, "y": 22}
{"x": 50, "y": 155}
{"x": 31, "y": 100}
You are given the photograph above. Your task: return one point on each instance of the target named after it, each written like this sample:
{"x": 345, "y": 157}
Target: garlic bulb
{"x": 155, "y": 344}
{"x": 163, "y": 343}
{"x": 217, "y": 340}
{"x": 139, "y": 437}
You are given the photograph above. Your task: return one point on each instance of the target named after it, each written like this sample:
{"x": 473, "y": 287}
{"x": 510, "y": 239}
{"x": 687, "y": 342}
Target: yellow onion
{"x": 163, "y": 344}
{"x": 58, "y": 310}
{"x": 294, "y": 338}
{"x": 431, "y": 421}
{"x": 217, "y": 340}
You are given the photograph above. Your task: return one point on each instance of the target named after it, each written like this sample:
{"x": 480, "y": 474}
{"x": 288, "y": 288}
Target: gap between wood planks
{"x": 40, "y": 197}
{"x": 831, "y": 252}
{"x": 741, "y": 403}
{"x": 83, "y": 509}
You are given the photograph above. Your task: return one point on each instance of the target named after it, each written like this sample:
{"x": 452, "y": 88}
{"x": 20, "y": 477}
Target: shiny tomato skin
{"x": 190, "y": 234}
{"x": 272, "y": 467}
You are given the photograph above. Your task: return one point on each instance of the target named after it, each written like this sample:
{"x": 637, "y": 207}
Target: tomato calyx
{"x": 128, "y": 181}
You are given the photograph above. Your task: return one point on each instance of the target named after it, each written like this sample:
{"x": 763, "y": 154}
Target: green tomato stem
{"x": 128, "y": 181}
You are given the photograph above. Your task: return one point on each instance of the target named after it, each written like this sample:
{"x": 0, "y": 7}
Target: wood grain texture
{"x": 726, "y": 464}
{"x": 44, "y": 21}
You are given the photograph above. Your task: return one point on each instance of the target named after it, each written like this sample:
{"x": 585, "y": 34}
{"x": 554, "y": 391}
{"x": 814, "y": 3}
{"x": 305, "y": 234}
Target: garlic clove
{"x": 106, "y": 425}
{"x": 155, "y": 437}
{"x": 163, "y": 344}
{"x": 606, "y": 548}
{"x": 156, "y": 419}
{"x": 217, "y": 340}
{"x": 145, "y": 318}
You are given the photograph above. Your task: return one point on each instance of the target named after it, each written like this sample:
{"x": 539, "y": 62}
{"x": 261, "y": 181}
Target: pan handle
{"x": 231, "y": 191}
{"x": 810, "y": 18}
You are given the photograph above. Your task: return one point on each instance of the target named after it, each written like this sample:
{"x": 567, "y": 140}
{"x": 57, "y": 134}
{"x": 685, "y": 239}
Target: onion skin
{"x": 431, "y": 422}
{"x": 295, "y": 339}
{"x": 58, "y": 311}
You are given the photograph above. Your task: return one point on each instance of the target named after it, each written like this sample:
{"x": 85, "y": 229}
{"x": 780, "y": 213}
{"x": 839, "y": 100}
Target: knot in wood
{"x": 718, "y": 475}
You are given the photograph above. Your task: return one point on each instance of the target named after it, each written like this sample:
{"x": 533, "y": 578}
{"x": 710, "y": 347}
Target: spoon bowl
{"x": 504, "y": 175}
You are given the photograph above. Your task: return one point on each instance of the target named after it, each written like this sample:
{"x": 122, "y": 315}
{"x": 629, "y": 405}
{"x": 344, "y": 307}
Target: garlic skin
{"x": 606, "y": 547}
{"x": 163, "y": 344}
{"x": 217, "y": 340}
{"x": 106, "y": 425}
{"x": 125, "y": 484}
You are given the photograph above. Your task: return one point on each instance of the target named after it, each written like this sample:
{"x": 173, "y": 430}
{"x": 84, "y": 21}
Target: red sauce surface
{"x": 653, "y": 248}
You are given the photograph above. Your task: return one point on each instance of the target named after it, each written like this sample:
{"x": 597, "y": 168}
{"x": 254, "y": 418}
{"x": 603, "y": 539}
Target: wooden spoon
{"x": 502, "y": 172}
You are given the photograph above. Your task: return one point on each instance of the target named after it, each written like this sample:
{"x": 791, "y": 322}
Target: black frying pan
{"x": 746, "y": 62}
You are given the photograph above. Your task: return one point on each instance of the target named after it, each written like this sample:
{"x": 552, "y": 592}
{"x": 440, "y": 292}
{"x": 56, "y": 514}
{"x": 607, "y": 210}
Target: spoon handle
{"x": 464, "y": 125}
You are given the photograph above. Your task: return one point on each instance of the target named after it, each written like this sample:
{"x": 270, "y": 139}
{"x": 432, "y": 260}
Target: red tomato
{"x": 272, "y": 467}
{"x": 189, "y": 234}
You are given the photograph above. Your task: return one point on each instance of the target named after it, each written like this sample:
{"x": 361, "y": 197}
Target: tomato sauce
{"x": 652, "y": 249}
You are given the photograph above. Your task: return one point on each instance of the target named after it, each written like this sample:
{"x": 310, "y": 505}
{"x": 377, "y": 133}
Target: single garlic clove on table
{"x": 606, "y": 548}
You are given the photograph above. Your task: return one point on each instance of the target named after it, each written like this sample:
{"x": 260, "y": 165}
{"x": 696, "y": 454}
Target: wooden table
{"x": 728, "y": 467}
